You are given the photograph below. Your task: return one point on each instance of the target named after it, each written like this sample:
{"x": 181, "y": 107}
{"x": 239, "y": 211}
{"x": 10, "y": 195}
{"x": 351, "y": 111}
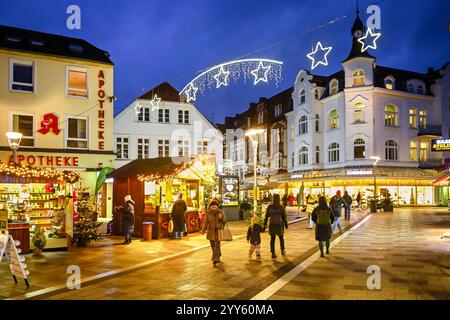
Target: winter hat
{"x": 212, "y": 203}
{"x": 338, "y": 192}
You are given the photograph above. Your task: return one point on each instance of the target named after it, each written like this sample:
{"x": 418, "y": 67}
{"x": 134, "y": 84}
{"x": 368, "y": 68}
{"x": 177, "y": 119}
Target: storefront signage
{"x": 101, "y": 112}
{"x": 359, "y": 172}
{"x": 440, "y": 145}
{"x": 229, "y": 191}
{"x": 51, "y": 161}
{"x": 297, "y": 176}
{"x": 49, "y": 122}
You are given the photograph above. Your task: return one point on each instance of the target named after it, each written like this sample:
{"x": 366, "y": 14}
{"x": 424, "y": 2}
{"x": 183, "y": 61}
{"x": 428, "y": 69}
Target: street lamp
{"x": 375, "y": 177}
{"x": 14, "y": 143}
{"x": 251, "y": 134}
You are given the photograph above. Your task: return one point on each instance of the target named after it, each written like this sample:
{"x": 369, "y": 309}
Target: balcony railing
{"x": 430, "y": 164}
{"x": 431, "y": 130}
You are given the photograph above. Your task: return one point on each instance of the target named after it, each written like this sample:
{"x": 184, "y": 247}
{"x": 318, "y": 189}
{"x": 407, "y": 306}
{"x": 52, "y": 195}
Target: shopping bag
{"x": 224, "y": 234}
{"x": 170, "y": 226}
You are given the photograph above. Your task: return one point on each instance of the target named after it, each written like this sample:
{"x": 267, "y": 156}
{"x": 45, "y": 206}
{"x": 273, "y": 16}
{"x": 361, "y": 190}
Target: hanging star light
{"x": 323, "y": 60}
{"x": 222, "y": 78}
{"x": 233, "y": 70}
{"x": 155, "y": 102}
{"x": 191, "y": 93}
{"x": 257, "y": 73}
{"x": 137, "y": 109}
{"x": 373, "y": 38}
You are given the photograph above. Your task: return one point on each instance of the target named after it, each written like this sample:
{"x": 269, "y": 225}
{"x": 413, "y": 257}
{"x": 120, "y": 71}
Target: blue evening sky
{"x": 152, "y": 41}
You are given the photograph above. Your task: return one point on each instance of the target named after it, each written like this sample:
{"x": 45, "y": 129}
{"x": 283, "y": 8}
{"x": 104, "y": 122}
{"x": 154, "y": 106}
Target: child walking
{"x": 254, "y": 237}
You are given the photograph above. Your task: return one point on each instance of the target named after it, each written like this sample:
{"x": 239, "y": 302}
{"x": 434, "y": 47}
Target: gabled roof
{"x": 164, "y": 91}
{"x": 50, "y": 44}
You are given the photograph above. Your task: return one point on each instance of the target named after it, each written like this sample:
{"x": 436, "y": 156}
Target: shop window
{"x": 333, "y": 152}
{"x": 422, "y": 119}
{"x": 163, "y": 148}
{"x": 77, "y": 84}
{"x": 359, "y": 78}
{"x": 391, "y": 150}
{"x": 25, "y": 125}
{"x": 122, "y": 146}
{"x": 303, "y": 156}
{"x": 359, "y": 113}
{"x": 77, "y": 133}
{"x": 202, "y": 148}
{"x": 183, "y": 148}
{"x": 389, "y": 83}
{"x": 144, "y": 114}
{"x": 390, "y": 116}
{"x": 183, "y": 117}
{"x": 333, "y": 120}
{"x": 143, "y": 148}
{"x": 303, "y": 125}
{"x": 413, "y": 118}
{"x": 163, "y": 115}
{"x": 413, "y": 150}
{"x": 317, "y": 154}
{"x": 334, "y": 87}
{"x": 317, "y": 123}
{"x": 302, "y": 96}
{"x": 22, "y": 76}
{"x": 359, "y": 149}
{"x": 423, "y": 153}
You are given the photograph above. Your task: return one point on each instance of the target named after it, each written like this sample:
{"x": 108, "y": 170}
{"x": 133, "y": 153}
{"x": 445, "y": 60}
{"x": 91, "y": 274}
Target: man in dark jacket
{"x": 336, "y": 203}
{"x": 278, "y": 223}
{"x": 179, "y": 209}
{"x": 254, "y": 237}
{"x": 348, "y": 203}
{"x": 128, "y": 218}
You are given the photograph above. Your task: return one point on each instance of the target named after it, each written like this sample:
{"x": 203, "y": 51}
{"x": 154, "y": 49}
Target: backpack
{"x": 323, "y": 218}
{"x": 334, "y": 205}
{"x": 275, "y": 219}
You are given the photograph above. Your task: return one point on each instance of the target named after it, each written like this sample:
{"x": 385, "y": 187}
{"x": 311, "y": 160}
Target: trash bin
{"x": 147, "y": 229}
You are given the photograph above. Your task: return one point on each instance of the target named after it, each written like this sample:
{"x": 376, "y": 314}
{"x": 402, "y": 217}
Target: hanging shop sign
{"x": 439, "y": 145}
{"x": 102, "y": 177}
{"x": 51, "y": 161}
{"x": 229, "y": 189}
{"x": 101, "y": 112}
{"x": 49, "y": 122}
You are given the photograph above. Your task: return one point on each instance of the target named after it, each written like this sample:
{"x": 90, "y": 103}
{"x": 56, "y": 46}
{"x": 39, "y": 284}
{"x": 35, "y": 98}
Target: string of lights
{"x": 21, "y": 171}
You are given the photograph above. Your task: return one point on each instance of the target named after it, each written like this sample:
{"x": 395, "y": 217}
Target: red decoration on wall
{"x": 49, "y": 122}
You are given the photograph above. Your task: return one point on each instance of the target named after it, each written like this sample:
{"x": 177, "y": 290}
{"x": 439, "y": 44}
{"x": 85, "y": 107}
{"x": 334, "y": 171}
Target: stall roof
{"x": 164, "y": 168}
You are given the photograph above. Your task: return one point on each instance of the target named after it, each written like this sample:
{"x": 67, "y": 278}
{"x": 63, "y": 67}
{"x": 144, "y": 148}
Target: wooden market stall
{"x": 154, "y": 185}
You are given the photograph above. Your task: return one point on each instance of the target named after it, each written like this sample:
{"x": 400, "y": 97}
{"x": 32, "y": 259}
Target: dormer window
{"x": 37, "y": 42}
{"x": 411, "y": 88}
{"x": 389, "y": 83}
{"x": 302, "y": 96}
{"x": 76, "y": 48}
{"x": 420, "y": 89}
{"x": 359, "y": 78}
{"x": 334, "y": 87}
{"x": 16, "y": 39}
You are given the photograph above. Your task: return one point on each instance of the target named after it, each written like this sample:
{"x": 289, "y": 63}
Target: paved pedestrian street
{"x": 406, "y": 246}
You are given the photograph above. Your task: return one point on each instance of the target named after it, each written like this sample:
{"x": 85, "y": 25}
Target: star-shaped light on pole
{"x": 222, "y": 78}
{"x": 373, "y": 40}
{"x": 323, "y": 60}
{"x": 137, "y": 108}
{"x": 261, "y": 76}
{"x": 155, "y": 102}
{"x": 191, "y": 92}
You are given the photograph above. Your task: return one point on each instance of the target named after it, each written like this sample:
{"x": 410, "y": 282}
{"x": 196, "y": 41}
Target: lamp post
{"x": 375, "y": 177}
{"x": 14, "y": 143}
{"x": 251, "y": 134}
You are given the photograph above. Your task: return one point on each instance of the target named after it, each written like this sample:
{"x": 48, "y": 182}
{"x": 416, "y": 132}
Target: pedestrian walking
{"x": 215, "y": 219}
{"x": 254, "y": 237}
{"x": 179, "y": 209}
{"x": 128, "y": 218}
{"x": 285, "y": 200}
{"x": 291, "y": 200}
{"x": 348, "y": 203}
{"x": 336, "y": 203}
{"x": 278, "y": 222}
{"x": 323, "y": 217}
{"x": 358, "y": 199}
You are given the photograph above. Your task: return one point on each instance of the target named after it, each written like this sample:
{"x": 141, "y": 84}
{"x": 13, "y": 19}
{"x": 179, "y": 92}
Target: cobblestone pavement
{"x": 406, "y": 246}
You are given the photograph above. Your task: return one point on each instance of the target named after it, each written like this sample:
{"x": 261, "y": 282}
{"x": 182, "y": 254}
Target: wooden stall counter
{"x": 21, "y": 232}
{"x": 161, "y": 220}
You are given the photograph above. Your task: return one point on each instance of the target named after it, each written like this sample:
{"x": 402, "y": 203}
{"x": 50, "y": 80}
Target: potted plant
{"x": 85, "y": 230}
{"x": 39, "y": 241}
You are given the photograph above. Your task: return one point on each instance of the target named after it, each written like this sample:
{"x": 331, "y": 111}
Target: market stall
{"x": 154, "y": 185}
{"x": 31, "y": 198}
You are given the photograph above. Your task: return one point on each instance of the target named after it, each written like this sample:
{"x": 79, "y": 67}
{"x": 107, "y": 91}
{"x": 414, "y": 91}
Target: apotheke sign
{"x": 440, "y": 145}
{"x": 49, "y": 161}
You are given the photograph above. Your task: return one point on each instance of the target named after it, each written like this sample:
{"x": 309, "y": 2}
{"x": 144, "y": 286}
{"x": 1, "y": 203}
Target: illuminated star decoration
{"x": 137, "y": 108}
{"x": 222, "y": 78}
{"x": 257, "y": 73}
{"x": 323, "y": 60}
{"x": 191, "y": 92}
{"x": 155, "y": 102}
{"x": 373, "y": 38}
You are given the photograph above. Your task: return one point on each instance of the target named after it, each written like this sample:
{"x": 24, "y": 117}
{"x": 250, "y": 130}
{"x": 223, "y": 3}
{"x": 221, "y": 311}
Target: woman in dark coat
{"x": 179, "y": 209}
{"x": 278, "y": 222}
{"x": 128, "y": 219}
{"x": 323, "y": 217}
{"x": 214, "y": 220}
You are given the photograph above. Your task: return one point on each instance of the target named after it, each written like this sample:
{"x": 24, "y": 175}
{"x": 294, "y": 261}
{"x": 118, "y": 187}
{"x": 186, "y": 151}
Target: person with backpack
{"x": 254, "y": 237}
{"x": 323, "y": 217}
{"x": 128, "y": 219}
{"x": 336, "y": 203}
{"x": 278, "y": 222}
{"x": 348, "y": 203}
